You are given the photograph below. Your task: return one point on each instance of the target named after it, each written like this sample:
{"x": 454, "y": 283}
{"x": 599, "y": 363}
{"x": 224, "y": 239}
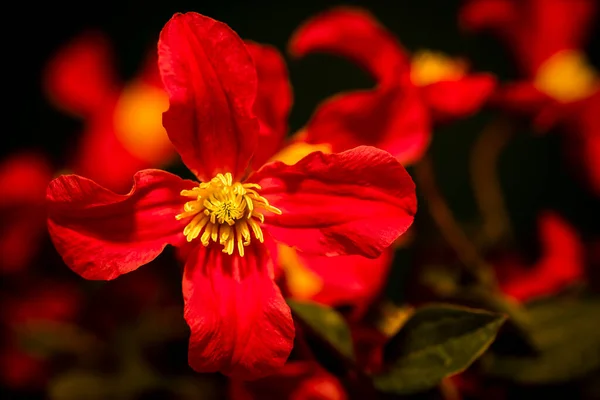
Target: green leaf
{"x": 437, "y": 341}
{"x": 327, "y": 323}
{"x": 565, "y": 333}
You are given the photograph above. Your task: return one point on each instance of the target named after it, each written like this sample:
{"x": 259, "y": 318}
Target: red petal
{"x": 560, "y": 265}
{"x": 41, "y": 300}
{"x": 457, "y": 99}
{"x": 535, "y": 29}
{"x": 484, "y": 14}
{"x": 583, "y": 138}
{"x": 521, "y": 97}
{"x": 99, "y": 143}
{"x": 212, "y": 84}
{"x": 355, "y": 202}
{"x": 23, "y": 181}
{"x": 80, "y": 77}
{"x": 273, "y": 100}
{"x": 21, "y": 370}
{"x": 393, "y": 119}
{"x": 356, "y": 285}
{"x": 101, "y": 234}
{"x": 240, "y": 324}
{"x": 353, "y": 33}
{"x": 296, "y": 380}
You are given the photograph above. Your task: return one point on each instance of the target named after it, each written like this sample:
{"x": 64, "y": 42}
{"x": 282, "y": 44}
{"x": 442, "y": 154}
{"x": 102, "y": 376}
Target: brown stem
{"x": 486, "y": 186}
{"x": 449, "y": 227}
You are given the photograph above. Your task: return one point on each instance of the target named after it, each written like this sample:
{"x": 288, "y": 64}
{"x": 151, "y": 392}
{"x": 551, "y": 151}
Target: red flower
{"x": 122, "y": 121}
{"x": 355, "y": 202}
{"x": 23, "y": 181}
{"x": 560, "y": 86}
{"x": 395, "y": 115}
{"x": 560, "y": 265}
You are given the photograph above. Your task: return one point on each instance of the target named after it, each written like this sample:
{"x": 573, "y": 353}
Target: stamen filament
{"x": 225, "y": 212}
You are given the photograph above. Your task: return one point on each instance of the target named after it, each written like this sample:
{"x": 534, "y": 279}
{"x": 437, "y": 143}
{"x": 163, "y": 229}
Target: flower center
{"x": 429, "y": 67}
{"x": 567, "y": 76}
{"x": 225, "y": 212}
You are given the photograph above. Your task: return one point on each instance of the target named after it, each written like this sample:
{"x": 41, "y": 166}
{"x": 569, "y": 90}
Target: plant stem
{"x": 486, "y": 185}
{"x": 449, "y": 227}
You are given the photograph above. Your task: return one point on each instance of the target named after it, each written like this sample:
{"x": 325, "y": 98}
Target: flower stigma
{"x": 225, "y": 212}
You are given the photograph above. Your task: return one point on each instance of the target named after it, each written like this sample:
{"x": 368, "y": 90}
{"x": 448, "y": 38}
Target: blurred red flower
{"x": 560, "y": 86}
{"x": 123, "y": 130}
{"x": 41, "y": 302}
{"x": 560, "y": 265}
{"x": 355, "y": 202}
{"x": 23, "y": 181}
{"x": 123, "y": 133}
{"x": 396, "y": 115}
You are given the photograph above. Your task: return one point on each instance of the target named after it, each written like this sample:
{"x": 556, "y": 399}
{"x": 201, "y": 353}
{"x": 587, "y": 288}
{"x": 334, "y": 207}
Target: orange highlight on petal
{"x": 567, "y": 76}
{"x": 138, "y": 122}
{"x": 295, "y": 151}
{"x": 429, "y": 67}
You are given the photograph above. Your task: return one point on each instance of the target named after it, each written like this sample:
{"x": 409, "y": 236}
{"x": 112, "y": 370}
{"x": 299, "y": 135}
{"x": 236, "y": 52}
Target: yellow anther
{"x": 567, "y": 77}
{"x": 225, "y": 212}
{"x": 430, "y": 67}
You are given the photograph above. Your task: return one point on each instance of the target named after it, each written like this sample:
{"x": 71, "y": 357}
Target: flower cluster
{"x": 298, "y": 257}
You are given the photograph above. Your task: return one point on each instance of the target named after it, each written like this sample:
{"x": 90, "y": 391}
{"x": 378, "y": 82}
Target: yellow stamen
{"x": 567, "y": 77}
{"x": 429, "y": 67}
{"x": 227, "y": 212}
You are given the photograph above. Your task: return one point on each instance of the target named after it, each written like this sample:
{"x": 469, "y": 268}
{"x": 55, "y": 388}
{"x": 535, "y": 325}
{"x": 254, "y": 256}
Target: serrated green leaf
{"x": 327, "y": 323}
{"x": 565, "y": 332}
{"x": 437, "y": 341}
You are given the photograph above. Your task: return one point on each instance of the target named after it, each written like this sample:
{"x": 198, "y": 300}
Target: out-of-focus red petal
{"x": 240, "y": 325}
{"x": 355, "y": 284}
{"x": 23, "y": 178}
{"x": 137, "y": 123}
{"x": 80, "y": 77}
{"x": 20, "y": 370}
{"x": 368, "y": 344}
{"x": 520, "y": 98}
{"x": 273, "y": 100}
{"x": 582, "y": 140}
{"x": 296, "y": 380}
{"x": 101, "y": 234}
{"x": 353, "y": 33}
{"x": 42, "y": 300}
{"x": 393, "y": 119}
{"x": 534, "y": 29}
{"x": 355, "y": 202}
{"x": 461, "y": 98}
{"x": 23, "y": 181}
{"x": 487, "y": 14}
{"x": 560, "y": 265}
{"x": 212, "y": 84}
{"x": 99, "y": 143}
{"x": 138, "y": 116}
